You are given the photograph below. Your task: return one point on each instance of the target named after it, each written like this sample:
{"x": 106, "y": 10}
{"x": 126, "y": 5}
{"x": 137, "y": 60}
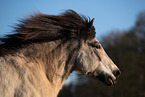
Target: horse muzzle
{"x": 108, "y": 79}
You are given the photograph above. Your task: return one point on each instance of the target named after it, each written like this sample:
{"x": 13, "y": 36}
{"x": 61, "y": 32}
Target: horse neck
{"x": 55, "y": 58}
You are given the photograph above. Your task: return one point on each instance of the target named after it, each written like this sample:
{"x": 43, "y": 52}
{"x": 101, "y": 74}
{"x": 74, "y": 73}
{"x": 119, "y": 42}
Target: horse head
{"x": 93, "y": 60}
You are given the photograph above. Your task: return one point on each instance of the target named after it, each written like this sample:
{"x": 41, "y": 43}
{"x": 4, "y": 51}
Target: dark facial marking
{"x": 95, "y": 45}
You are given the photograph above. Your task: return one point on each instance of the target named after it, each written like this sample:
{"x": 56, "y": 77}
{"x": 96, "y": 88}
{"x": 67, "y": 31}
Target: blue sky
{"x": 109, "y": 14}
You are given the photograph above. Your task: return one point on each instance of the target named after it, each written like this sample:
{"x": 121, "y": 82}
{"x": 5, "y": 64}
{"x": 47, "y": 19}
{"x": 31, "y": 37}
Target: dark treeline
{"x": 127, "y": 50}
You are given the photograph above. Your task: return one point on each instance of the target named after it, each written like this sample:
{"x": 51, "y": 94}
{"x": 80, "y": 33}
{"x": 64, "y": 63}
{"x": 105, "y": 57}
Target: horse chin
{"x": 107, "y": 80}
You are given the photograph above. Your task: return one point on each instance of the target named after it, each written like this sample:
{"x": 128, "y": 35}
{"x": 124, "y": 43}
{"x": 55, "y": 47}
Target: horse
{"x": 37, "y": 58}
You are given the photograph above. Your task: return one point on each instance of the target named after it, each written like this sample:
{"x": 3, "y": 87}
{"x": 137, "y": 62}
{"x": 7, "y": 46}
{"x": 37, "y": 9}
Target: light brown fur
{"x": 23, "y": 76}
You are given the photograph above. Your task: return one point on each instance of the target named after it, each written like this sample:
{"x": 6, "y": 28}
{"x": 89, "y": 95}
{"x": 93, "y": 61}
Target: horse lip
{"x": 108, "y": 80}
{"x": 112, "y": 82}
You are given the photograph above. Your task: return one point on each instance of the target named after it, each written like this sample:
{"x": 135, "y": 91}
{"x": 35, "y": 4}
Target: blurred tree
{"x": 127, "y": 50}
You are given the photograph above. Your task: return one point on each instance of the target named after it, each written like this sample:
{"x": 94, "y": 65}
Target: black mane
{"x": 42, "y": 28}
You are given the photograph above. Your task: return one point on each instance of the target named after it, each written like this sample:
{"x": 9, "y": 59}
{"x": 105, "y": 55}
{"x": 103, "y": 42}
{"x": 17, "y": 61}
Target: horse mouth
{"x": 108, "y": 80}
{"x": 111, "y": 81}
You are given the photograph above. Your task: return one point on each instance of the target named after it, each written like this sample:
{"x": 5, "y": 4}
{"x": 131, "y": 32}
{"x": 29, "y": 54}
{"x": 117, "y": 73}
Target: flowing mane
{"x": 42, "y": 28}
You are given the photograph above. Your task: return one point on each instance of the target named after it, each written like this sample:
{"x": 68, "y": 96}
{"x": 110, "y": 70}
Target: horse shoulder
{"x": 19, "y": 78}
{"x": 9, "y": 79}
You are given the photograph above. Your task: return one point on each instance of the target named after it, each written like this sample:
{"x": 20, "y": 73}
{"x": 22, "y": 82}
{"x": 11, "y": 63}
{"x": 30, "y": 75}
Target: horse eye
{"x": 96, "y": 45}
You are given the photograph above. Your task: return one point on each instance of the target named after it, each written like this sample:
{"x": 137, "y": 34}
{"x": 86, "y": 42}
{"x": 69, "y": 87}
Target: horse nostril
{"x": 117, "y": 73}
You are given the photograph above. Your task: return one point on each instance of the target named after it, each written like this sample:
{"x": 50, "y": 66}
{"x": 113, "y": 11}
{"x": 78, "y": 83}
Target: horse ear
{"x": 90, "y": 24}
